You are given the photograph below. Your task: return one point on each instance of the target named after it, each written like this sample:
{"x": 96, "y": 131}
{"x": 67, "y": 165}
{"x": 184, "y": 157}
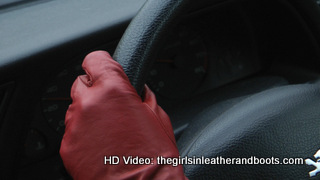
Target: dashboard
{"x": 210, "y": 48}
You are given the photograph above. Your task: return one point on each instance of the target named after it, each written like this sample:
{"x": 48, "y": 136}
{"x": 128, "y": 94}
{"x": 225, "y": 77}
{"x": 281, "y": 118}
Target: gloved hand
{"x": 108, "y": 118}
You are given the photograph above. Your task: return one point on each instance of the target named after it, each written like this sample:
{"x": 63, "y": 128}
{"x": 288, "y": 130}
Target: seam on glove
{"x": 162, "y": 125}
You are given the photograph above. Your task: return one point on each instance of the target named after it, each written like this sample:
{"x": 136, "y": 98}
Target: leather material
{"x": 107, "y": 118}
{"x": 139, "y": 44}
{"x": 281, "y": 122}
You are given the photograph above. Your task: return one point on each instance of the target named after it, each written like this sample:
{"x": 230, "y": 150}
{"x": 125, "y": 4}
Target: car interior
{"x": 236, "y": 77}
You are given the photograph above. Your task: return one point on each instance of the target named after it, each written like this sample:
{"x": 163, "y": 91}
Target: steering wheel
{"x": 266, "y": 128}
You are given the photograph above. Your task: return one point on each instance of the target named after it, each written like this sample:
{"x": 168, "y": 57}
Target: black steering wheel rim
{"x": 140, "y": 43}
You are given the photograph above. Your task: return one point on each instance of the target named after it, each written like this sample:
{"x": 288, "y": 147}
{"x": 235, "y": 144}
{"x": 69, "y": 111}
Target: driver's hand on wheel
{"x": 108, "y": 118}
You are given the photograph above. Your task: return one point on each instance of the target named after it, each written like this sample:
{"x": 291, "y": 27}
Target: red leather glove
{"x": 108, "y": 118}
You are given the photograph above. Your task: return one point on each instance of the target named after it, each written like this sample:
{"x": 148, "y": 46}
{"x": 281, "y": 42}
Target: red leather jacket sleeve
{"x": 107, "y": 118}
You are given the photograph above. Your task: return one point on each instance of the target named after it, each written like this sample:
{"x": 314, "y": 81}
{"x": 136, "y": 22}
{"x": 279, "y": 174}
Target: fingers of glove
{"x": 100, "y": 67}
{"x": 151, "y": 102}
{"x": 95, "y": 65}
{"x": 103, "y": 76}
{"x": 149, "y": 98}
